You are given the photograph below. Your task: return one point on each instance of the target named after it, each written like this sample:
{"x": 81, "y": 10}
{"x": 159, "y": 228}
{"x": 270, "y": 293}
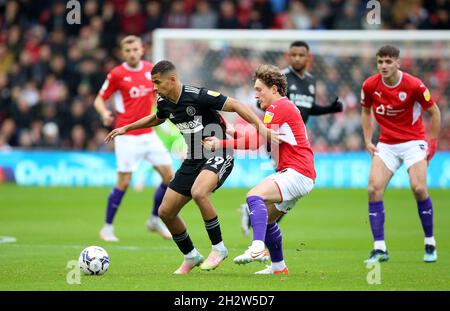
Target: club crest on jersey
{"x": 148, "y": 75}
{"x": 190, "y": 111}
{"x": 402, "y": 96}
{"x": 311, "y": 89}
{"x": 268, "y": 116}
{"x": 213, "y": 93}
{"x": 426, "y": 95}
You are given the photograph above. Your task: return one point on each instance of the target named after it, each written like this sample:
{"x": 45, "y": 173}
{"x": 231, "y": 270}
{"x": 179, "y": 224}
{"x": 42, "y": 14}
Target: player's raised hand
{"x": 371, "y": 148}
{"x": 211, "y": 143}
{"x": 337, "y": 105}
{"x": 107, "y": 118}
{"x": 116, "y": 132}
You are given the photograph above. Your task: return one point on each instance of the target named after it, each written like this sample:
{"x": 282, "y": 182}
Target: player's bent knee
{"x": 420, "y": 191}
{"x": 123, "y": 181}
{"x": 123, "y": 186}
{"x": 375, "y": 192}
{"x": 199, "y": 194}
{"x": 165, "y": 213}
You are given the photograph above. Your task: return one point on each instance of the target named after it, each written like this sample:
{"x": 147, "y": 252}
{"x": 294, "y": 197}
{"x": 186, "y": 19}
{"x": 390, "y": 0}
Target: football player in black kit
{"x": 302, "y": 92}
{"x": 302, "y": 85}
{"x": 195, "y": 113}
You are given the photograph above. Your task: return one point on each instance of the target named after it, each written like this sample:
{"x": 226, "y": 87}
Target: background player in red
{"x": 295, "y": 175}
{"x": 132, "y": 88}
{"x": 397, "y": 100}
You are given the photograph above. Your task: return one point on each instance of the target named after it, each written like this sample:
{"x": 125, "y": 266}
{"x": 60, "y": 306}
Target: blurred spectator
{"x": 204, "y": 16}
{"x": 154, "y": 16}
{"x": 57, "y": 18}
{"x": 90, "y": 11}
{"x": 132, "y": 20}
{"x": 98, "y": 143}
{"x": 227, "y": 17}
{"x": 78, "y": 138}
{"x": 4, "y": 146}
{"x": 299, "y": 16}
{"x": 349, "y": 18}
{"x": 14, "y": 40}
{"x": 263, "y": 9}
{"x": 6, "y": 59}
{"x": 111, "y": 22}
{"x": 8, "y": 130}
{"x": 12, "y": 15}
{"x": 176, "y": 17}
{"x": 51, "y": 138}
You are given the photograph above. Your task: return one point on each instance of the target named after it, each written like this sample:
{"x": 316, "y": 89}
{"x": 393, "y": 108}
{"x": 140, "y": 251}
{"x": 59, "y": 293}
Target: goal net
{"x": 225, "y": 60}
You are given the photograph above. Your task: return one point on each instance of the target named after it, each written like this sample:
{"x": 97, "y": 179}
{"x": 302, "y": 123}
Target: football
{"x": 94, "y": 260}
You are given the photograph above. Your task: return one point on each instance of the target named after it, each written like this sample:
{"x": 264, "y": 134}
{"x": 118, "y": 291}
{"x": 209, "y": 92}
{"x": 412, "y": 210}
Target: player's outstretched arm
{"x": 245, "y": 142}
{"x": 334, "y": 107}
{"x": 148, "y": 121}
{"x": 232, "y": 105}
{"x": 435, "y": 127}
{"x": 366, "y": 123}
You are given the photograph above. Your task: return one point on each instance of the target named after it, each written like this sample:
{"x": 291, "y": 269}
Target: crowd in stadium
{"x": 50, "y": 71}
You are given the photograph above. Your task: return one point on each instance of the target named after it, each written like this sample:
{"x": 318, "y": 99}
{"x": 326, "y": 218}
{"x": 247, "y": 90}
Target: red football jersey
{"x": 133, "y": 93}
{"x": 294, "y": 152}
{"x": 397, "y": 109}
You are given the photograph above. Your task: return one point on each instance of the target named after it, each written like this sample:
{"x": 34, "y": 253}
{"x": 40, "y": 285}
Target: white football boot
{"x": 107, "y": 234}
{"x": 155, "y": 224}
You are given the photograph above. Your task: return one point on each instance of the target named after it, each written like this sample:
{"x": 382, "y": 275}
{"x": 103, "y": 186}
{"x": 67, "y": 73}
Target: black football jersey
{"x": 301, "y": 91}
{"x": 196, "y": 115}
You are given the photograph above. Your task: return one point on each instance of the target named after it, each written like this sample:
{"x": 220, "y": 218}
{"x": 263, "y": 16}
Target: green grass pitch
{"x": 326, "y": 238}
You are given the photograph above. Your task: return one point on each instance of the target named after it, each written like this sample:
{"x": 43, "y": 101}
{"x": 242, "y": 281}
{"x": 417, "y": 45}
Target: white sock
{"x": 108, "y": 227}
{"x": 192, "y": 253}
{"x": 220, "y": 246}
{"x": 381, "y": 245}
{"x": 154, "y": 218}
{"x": 430, "y": 241}
{"x": 277, "y": 266}
{"x": 258, "y": 244}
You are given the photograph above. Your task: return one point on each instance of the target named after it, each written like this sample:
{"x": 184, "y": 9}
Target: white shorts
{"x": 131, "y": 149}
{"x": 292, "y": 186}
{"x": 410, "y": 153}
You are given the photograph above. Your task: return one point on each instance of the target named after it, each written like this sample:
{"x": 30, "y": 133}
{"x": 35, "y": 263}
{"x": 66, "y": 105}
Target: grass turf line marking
{"x": 7, "y": 239}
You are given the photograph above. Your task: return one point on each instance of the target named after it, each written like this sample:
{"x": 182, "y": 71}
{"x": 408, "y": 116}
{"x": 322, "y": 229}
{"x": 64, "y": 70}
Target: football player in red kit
{"x": 131, "y": 86}
{"x": 295, "y": 173}
{"x": 397, "y": 100}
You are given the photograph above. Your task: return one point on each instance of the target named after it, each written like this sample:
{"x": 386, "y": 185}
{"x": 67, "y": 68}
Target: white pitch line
{"x": 7, "y": 239}
{"x": 119, "y": 247}
{"x": 109, "y": 246}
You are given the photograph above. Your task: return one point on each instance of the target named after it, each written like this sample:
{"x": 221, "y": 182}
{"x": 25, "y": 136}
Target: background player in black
{"x": 302, "y": 85}
{"x": 302, "y": 92}
{"x": 194, "y": 111}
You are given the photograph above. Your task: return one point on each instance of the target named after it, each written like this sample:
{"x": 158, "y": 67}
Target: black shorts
{"x": 185, "y": 176}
